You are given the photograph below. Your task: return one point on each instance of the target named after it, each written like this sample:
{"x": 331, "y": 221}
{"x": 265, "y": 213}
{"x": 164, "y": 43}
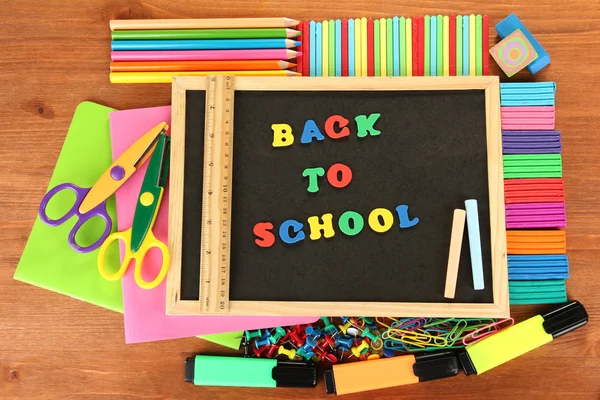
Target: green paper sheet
{"x": 376, "y": 50}
{"x": 48, "y": 260}
{"x": 231, "y": 340}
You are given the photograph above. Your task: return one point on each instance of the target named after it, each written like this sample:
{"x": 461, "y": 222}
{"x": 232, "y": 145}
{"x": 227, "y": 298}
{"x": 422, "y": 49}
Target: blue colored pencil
{"x": 338, "y": 47}
{"x": 313, "y": 48}
{"x": 465, "y": 49}
{"x": 433, "y": 41}
{"x": 351, "y": 47}
{"x": 216, "y": 44}
{"x": 395, "y": 47}
{"x": 319, "y": 49}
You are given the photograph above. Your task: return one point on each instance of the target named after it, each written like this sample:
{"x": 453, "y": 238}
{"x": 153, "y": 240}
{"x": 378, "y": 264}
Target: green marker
{"x": 249, "y": 372}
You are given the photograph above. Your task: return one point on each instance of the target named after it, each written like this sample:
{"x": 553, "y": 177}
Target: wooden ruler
{"x": 216, "y": 195}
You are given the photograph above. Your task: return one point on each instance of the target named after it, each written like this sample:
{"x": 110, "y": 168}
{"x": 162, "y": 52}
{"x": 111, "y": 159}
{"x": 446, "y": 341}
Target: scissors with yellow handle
{"x": 139, "y": 238}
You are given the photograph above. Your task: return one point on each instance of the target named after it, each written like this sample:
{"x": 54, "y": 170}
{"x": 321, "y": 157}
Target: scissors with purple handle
{"x": 91, "y": 202}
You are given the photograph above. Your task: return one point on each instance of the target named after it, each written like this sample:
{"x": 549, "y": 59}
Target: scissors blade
{"x": 122, "y": 169}
{"x": 151, "y": 193}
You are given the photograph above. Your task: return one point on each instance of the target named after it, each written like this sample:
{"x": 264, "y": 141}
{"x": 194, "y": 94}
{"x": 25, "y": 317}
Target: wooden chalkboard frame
{"x": 490, "y": 84}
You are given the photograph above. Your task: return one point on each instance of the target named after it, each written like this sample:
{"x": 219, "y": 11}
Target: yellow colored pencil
{"x": 472, "y": 45}
{"x": 325, "y": 52}
{"x": 383, "y": 45}
{"x": 357, "y": 47}
{"x": 408, "y": 37}
{"x": 364, "y": 56}
{"x": 446, "y": 46}
{"x": 167, "y": 77}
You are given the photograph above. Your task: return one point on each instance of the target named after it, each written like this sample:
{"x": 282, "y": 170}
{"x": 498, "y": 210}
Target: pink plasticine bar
{"x": 527, "y": 126}
{"x": 535, "y": 218}
{"x": 203, "y": 55}
{"x": 528, "y": 212}
{"x": 538, "y": 224}
{"x": 527, "y": 109}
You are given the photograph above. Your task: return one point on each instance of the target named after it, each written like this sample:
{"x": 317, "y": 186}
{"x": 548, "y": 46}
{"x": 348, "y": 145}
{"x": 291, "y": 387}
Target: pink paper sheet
{"x": 145, "y": 318}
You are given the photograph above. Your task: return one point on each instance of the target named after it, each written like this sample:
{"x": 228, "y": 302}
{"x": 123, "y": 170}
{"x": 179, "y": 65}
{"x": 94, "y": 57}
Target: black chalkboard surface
{"x": 430, "y": 156}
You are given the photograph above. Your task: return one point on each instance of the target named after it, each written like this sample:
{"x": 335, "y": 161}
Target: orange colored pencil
{"x": 236, "y": 65}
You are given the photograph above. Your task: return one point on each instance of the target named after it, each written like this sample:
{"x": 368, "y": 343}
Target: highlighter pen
{"x": 249, "y": 372}
{"x": 383, "y": 373}
{"x": 522, "y": 337}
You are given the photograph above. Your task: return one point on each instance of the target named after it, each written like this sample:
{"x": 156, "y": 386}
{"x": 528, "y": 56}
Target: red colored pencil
{"x": 306, "y": 48}
{"x": 300, "y": 58}
{"x": 422, "y": 46}
{"x": 344, "y": 47}
{"x": 370, "y": 52}
{"x": 452, "y": 29}
{"x": 486, "y": 44}
{"x": 415, "y": 46}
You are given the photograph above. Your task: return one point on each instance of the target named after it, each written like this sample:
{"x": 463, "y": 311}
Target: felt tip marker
{"x": 525, "y": 336}
{"x": 204, "y": 370}
{"x": 383, "y": 373}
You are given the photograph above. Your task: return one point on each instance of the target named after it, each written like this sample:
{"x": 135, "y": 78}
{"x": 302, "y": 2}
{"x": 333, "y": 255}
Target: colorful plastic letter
{"x": 334, "y": 172}
{"x": 265, "y": 236}
{"x": 351, "y": 223}
{"x": 376, "y": 224}
{"x": 284, "y": 231}
{"x": 330, "y": 127}
{"x": 316, "y": 227}
{"x": 405, "y": 221}
{"x": 313, "y": 175}
{"x": 311, "y": 131}
{"x": 282, "y": 135}
{"x": 365, "y": 125}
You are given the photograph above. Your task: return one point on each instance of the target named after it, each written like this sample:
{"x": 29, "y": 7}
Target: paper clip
{"x": 487, "y": 330}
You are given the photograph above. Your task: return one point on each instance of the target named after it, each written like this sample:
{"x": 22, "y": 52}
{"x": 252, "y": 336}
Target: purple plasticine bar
{"x": 530, "y": 139}
{"x": 534, "y": 212}
{"x": 532, "y": 151}
{"x": 534, "y": 205}
{"x": 536, "y": 224}
{"x": 530, "y": 145}
{"x": 531, "y": 133}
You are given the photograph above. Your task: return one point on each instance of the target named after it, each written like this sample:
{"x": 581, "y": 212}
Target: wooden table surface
{"x": 55, "y": 54}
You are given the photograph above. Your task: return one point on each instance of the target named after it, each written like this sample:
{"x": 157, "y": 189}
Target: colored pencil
{"x": 370, "y": 62}
{"x": 433, "y": 49}
{"x": 312, "y": 57}
{"x": 439, "y": 50}
{"x": 389, "y": 47}
{"x": 364, "y": 58}
{"x": 357, "y": 47}
{"x": 173, "y": 66}
{"x": 452, "y": 46}
{"x": 203, "y": 55}
{"x": 167, "y": 77}
{"x": 216, "y": 23}
{"x": 351, "y": 56}
{"x": 383, "y": 46}
{"x": 472, "y": 51}
{"x": 319, "y": 49}
{"x": 331, "y": 49}
{"x": 446, "y": 47}
{"x": 466, "y": 47}
{"x": 325, "y": 49}
{"x": 300, "y": 59}
{"x": 216, "y": 44}
{"x": 408, "y": 40}
{"x": 344, "y": 47}
{"x": 478, "y": 55}
{"x": 459, "y": 45}
{"x": 338, "y": 47}
{"x": 165, "y": 34}
{"x": 396, "y": 46}
{"x": 402, "y": 49}
{"x": 485, "y": 42}
{"x": 427, "y": 46}
{"x": 306, "y": 48}
{"x": 376, "y": 48}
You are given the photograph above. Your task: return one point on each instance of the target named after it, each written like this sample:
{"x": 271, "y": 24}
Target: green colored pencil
{"x": 376, "y": 50}
{"x": 175, "y": 34}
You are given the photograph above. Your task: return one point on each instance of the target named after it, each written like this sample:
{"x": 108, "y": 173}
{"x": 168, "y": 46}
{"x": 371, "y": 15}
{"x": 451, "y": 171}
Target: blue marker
{"x": 510, "y": 24}
{"x": 313, "y": 48}
{"x": 351, "y": 47}
{"x": 338, "y": 47}
{"x": 433, "y": 48}
{"x": 395, "y": 46}
{"x": 319, "y": 49}
{"x": 475, "y": 243}
{"x": 465, "y": 51}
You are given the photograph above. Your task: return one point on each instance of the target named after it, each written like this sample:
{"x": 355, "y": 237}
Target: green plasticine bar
{"x": 533, "y": 175}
